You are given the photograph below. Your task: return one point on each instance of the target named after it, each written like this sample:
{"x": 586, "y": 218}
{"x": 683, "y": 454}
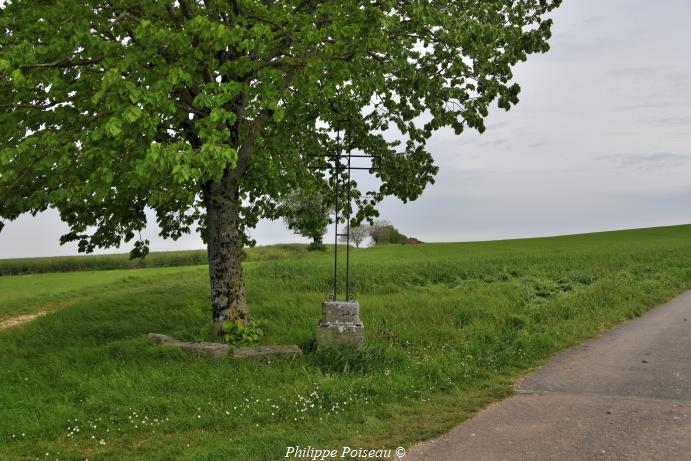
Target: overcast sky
{"x": 601, "y": 140}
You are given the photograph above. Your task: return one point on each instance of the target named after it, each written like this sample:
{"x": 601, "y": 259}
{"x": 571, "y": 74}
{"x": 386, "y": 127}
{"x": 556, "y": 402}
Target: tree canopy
{"x": 209, "y": 112}
{"x": 355, "y": 235}
{"x": 109, "y": 107}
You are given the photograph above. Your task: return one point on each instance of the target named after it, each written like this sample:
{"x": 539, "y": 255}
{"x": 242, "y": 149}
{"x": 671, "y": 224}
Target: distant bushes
{"x": 122, "y": 260}
{"x": 387, "y": 234}
{"x": 380, "y": 231}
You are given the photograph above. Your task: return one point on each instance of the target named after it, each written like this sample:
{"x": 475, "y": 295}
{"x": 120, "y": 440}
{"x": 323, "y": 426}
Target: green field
{"x": 448, "y": 328}
{"x": 20, "y": 266}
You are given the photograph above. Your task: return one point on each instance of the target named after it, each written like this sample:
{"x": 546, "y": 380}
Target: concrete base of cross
{"x": 340, "y": 324}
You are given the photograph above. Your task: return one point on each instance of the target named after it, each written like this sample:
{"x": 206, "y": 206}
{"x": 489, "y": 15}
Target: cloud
{"x": 653, "y": 87}
{"x": 647, "y": 161}
{"x": 494, "y": 142}
{"x": 682, "y": 120}
{"x": 539, "y": 144}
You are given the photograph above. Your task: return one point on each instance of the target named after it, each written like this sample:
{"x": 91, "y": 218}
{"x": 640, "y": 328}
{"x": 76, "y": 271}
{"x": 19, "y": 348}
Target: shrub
{"x": 387, "y": 234}
{"x": 239, "y": 334}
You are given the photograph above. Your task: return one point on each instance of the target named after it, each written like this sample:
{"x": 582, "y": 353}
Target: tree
{"x": 377, "y": 228}
{"x": 383, "y": 231}
{"x": 211, "y": 112}
{"x": 356, "y": 234}
{"x": 306, "y": 213}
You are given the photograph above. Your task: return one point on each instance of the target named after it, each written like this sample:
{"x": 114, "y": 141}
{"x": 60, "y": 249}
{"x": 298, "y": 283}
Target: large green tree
{"x": 210, "y": 111}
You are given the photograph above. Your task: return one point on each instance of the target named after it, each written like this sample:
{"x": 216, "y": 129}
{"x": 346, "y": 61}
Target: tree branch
{"x": 61, "y": 63}
{"x": 185, "y": 7}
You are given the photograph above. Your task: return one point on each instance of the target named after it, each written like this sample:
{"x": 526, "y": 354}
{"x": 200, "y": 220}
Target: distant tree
{"x": 376, "y": 229}
{"x": 307, "y": 214}
{"x": 394, "y": 236}
{"x": 209, "y": 112}
{"x": 357, "y": 234}
{"x": 383, "y": 231}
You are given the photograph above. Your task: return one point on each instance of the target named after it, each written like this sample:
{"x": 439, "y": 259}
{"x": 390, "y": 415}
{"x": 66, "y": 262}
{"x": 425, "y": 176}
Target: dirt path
{"x": 19, "y": 320}
{"x": 625, "y": 395}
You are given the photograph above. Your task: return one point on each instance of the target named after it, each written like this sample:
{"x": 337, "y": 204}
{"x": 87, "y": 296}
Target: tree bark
{"x": 224, "y": 244}
{"x": 224, "y": 241}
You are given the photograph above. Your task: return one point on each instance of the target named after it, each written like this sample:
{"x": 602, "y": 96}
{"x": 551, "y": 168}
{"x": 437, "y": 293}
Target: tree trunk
{"x": 224, "y": 247}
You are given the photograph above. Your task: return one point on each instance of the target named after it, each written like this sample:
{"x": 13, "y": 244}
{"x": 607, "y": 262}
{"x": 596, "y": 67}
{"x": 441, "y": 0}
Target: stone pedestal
{"x": 340, "y": 324}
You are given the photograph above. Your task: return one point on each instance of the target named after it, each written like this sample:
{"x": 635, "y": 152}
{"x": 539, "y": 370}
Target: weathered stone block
{"x": 340, "y": 324}
{"x": 341, "y": 312}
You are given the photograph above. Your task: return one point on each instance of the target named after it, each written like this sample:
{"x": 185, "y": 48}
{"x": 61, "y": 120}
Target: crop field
{"x": 448, "y": 328}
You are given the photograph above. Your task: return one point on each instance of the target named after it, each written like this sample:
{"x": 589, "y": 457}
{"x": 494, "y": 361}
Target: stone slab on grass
{"x": 201, "y": 349}
{"x": 218, "y": 351}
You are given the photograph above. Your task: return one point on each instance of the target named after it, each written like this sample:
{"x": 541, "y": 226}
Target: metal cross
{"x": 337, "y": 167}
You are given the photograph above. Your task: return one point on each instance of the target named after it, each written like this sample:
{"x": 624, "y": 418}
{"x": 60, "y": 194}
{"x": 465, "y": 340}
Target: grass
{"x": 448, "y": 327}
{"x": 23, "y": 294}
{"x": 123, "y": 261}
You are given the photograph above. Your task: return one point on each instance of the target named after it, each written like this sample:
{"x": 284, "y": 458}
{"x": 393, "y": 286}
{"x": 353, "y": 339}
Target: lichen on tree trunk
{"x": 224, "y": 243}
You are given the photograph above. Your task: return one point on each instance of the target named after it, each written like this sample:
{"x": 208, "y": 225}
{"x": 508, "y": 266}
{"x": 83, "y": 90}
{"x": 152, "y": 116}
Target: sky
{"x": 601, "y": 140}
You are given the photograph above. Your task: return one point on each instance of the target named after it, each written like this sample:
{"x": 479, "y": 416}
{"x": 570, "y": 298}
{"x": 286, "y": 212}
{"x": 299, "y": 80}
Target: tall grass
{"x": 447, "y": 329}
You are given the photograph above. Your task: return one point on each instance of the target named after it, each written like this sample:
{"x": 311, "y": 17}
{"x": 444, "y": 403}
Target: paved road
{"x": 625, "y": 395}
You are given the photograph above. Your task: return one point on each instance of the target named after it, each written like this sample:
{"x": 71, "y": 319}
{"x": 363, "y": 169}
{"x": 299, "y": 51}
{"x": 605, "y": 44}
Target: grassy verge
{"x": 448, "y": 326}
{"x": 25, "y": 294}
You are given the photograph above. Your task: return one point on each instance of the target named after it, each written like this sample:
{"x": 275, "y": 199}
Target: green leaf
{"x": 97, "y": 96}
{"x": 132, "y": 114}
{"x": 279, "y": 114}
{"x": 17, "y": 77}
{"x": 114, "y": 127}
